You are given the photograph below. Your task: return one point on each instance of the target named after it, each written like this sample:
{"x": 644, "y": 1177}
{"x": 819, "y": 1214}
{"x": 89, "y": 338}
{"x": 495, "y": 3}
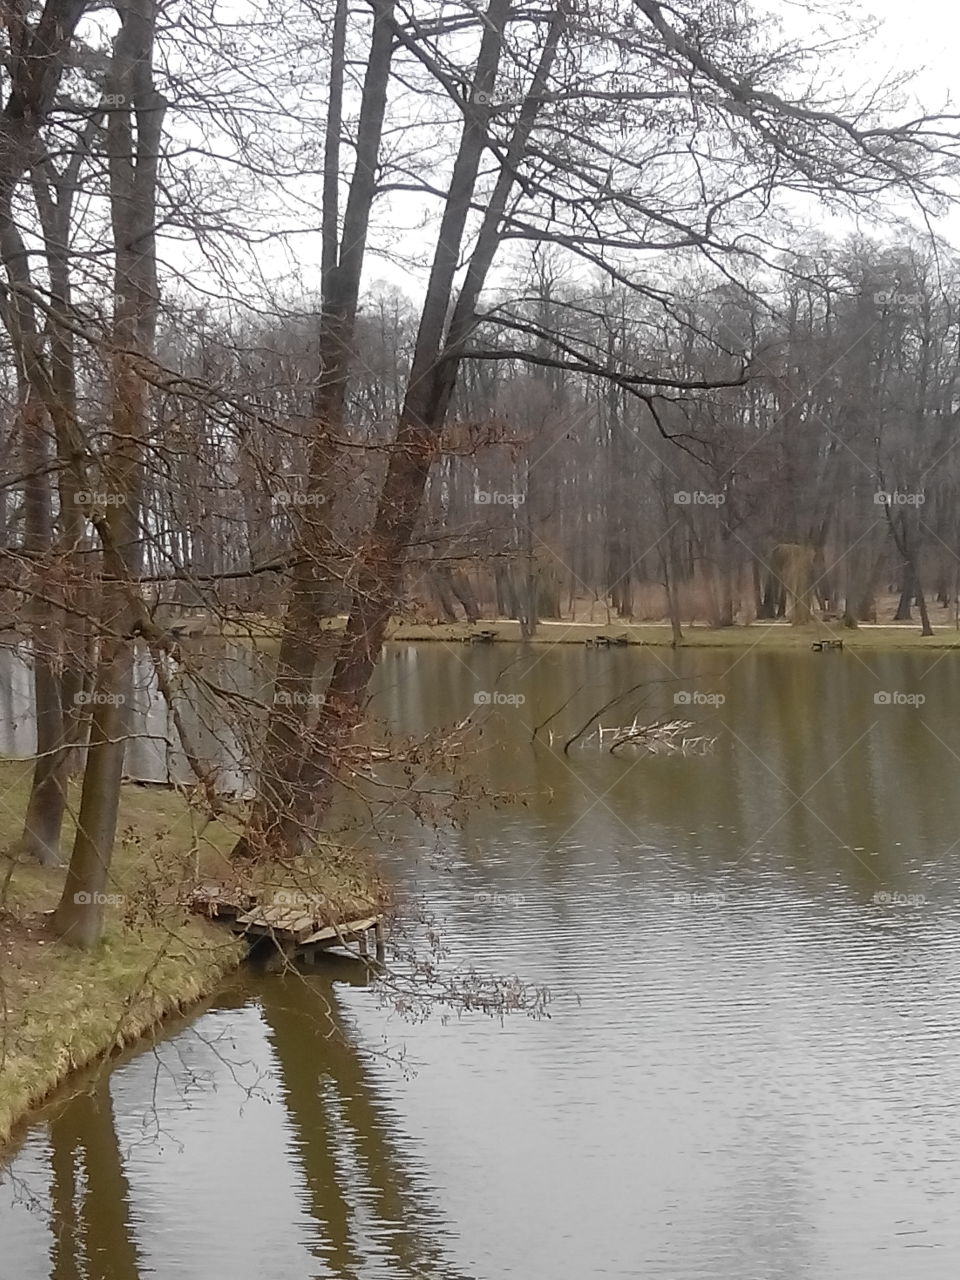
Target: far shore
{"x": 766, "y": 635}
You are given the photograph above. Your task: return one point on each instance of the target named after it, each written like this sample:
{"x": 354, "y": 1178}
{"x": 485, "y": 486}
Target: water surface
{"x": 751, "y": 1065}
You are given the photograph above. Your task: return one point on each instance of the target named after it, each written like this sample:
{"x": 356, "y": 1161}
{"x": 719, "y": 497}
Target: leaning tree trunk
{"x": 431, "y": 385}
{"x": 319, "y": 577}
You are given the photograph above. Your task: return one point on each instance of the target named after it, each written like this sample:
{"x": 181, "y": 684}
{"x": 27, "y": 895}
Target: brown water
{"x": 751, "y": 1068}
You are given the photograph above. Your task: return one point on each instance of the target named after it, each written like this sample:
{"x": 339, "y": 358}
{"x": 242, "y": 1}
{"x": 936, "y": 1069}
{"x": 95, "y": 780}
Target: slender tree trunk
{"x": 431, "y": 385}
{"x": 47, "y": 800}
{"x": 319, "y": 578}
{"x": 133, "y": 183}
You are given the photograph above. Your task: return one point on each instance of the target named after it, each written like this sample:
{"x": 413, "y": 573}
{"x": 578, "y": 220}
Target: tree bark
{"x": 133, "y": 166}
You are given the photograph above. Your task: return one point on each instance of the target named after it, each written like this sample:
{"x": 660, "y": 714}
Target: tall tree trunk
{"x": 432, "y": 381}
{"x": 319, "y": 577}
{"x": 133, "y": 189}
{"x": 47, "y": 799}
{"x": 907, "y": 593}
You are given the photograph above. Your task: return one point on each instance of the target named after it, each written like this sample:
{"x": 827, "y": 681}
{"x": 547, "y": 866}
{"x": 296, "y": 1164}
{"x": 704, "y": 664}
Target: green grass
{"x": 61, "y": 1009}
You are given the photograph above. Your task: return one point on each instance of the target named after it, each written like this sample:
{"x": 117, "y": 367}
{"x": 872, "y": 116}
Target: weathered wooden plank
{"x": 346, "y": 931}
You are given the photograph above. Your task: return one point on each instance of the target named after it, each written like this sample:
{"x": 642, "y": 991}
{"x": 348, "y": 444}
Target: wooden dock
{"x": 296, "y": 933}
{"x": 291, "y": 931}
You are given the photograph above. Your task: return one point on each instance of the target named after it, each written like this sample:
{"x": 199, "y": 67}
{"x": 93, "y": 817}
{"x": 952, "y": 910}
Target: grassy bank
{"x": 60, "y": 1009}
{"x": 767, "y": 635}
{"x": 764, "y": 635}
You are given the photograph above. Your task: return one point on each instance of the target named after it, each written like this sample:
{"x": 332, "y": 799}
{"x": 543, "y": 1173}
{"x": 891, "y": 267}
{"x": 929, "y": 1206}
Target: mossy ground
{"x": 61, "y": 1009}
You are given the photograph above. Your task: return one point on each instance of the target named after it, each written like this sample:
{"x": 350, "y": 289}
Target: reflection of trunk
{"x": 90, "y": 1200}
{"x": 332, "y": 1107}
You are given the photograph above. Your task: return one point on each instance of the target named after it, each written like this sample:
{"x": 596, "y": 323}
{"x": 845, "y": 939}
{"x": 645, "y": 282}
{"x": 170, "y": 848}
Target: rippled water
{"x": 751, "y": 1067}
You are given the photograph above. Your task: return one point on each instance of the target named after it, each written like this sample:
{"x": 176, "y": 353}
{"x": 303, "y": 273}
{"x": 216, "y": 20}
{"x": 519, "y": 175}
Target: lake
{"x": 750, "y": 1066}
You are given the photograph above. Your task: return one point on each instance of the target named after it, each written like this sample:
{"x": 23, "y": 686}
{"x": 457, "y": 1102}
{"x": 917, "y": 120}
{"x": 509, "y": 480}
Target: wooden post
{"x": 362, "y": 939}
{"x": 381, "y": 948}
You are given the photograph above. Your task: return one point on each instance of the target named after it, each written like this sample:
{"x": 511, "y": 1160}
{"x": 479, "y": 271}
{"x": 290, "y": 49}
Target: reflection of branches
{"x": 617, "y": 697}
{"x": 553, "y": 715}
{"x": 418, "y": 989}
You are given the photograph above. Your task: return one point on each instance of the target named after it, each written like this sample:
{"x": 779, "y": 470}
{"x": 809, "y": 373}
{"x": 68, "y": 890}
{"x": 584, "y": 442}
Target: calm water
{"x": 751, "y": 1068}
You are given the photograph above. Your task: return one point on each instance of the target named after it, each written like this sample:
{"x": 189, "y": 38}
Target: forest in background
{"x": 612, "y": 362}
